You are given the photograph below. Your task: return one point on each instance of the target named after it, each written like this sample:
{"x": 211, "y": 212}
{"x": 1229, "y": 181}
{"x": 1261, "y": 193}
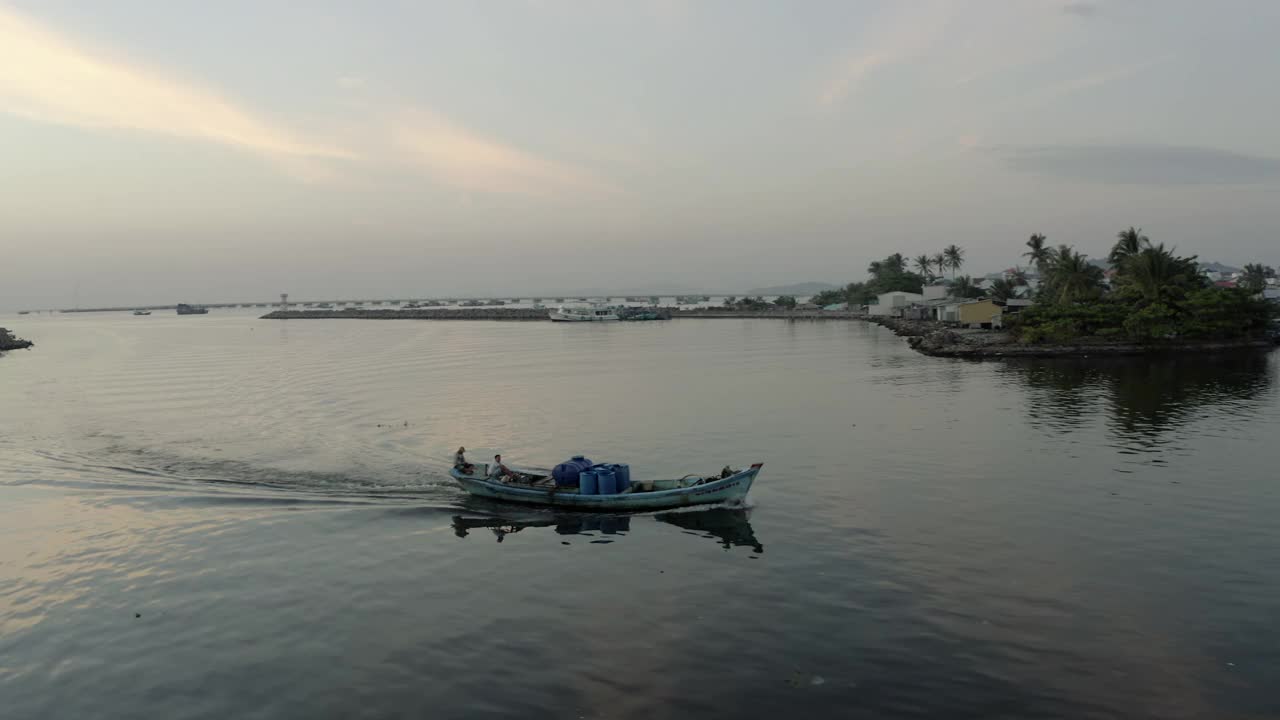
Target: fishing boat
{"x": 141, "y": 312}
{"x": 596, "y": 312}
{"x": 533, "y": 486}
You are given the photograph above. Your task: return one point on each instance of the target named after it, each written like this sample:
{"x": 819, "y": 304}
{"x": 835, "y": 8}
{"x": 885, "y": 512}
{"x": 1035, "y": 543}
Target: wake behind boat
{"x": 583, "y": 485}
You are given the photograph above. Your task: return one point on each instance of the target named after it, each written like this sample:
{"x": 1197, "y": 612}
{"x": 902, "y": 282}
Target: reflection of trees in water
{"x": 729, "y": 527}
{"x": 1143, "y": 397}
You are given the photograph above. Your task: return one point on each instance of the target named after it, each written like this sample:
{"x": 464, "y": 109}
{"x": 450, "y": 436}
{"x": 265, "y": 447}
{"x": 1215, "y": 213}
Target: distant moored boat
{"x": 597, "y": 312}
{"x": 185, "y": 309}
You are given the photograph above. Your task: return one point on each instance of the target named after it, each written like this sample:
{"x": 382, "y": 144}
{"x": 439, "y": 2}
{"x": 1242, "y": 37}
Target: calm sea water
{"x": 219, "y": 516}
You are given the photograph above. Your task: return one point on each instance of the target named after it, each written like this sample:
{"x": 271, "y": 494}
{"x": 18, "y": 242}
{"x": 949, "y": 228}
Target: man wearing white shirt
{"x": 497, "y": 471}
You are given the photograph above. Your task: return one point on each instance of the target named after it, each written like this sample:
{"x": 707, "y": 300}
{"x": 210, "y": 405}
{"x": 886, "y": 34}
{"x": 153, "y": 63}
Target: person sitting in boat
{"x": 460, "y": 461}
{"x": 498, "y": 471}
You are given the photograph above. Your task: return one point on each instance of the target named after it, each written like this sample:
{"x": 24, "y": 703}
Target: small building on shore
{"x": 982, "y": 313}
{"x": 937, "y": 290}
{"x": 893, "y": 304}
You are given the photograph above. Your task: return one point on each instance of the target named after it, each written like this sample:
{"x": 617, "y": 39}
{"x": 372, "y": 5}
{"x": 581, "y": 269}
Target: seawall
{"x": 480, "y": 313}
{"x": 502, "y": 313}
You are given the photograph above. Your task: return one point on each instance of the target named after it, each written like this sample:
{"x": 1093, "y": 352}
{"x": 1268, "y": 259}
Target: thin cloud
{"x": 47, "y": 77}
{"x": 1142, "y": 164}
{"x": 469, "y": 161}
{"x": 1081, "y": 9}
{"x": 1056, "y": 91}
{"x": 894, "y": 38}
{"x": 850, "y": 76}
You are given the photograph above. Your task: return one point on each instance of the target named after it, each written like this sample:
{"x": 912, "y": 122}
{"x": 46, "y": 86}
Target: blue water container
{"x": 583, "y": 461}
{"x": 566, "y": 474}
{"x": 607, "y": 482}
{"x": 623, "y": 471}
{"x": 587, "y": 483}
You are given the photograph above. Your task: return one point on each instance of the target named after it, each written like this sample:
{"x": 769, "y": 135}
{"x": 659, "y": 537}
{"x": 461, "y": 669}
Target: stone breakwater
{"x": 938, "y": 340}
{"x": 501, "y": 313}
{"x": 947, "y": 343}
{"x": 9, "y": 342}
{"x": 482, "y": 313}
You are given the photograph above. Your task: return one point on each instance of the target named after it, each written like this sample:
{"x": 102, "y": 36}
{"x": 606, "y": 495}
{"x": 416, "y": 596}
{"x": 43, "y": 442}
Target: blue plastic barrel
{"x": 566, "y": 474}
{"x": 607, "y": 482}
{"x": 587, "y": 483}
{"x": 623, "y": 471}
{"x": 583, "y": 461}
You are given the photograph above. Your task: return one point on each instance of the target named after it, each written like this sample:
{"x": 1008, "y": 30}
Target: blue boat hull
{"x": 724, "y": 490}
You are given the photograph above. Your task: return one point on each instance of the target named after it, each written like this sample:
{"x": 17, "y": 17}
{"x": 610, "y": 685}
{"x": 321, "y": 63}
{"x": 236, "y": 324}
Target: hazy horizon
{"x": 184, "y": 152}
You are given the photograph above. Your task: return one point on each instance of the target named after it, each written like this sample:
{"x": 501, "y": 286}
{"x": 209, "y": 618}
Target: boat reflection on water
{"x": 731, "y": 528}
{"x": 563, "y": 524}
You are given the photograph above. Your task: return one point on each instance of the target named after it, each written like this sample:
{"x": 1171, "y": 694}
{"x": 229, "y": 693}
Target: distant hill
{"x": 1219, "y": 267}
{"x": 806, "y": 288}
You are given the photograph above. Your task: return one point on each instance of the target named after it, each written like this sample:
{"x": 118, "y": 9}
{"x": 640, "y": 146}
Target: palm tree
{"x": 963, "y": 287}
{"x": 1003, "y": 290}
{"x": 1128, "y": 243}
{"x": 941, "y": 261}
{"x": 896, "y": 263}
{"x": 1254, "y": 278}
{"x": 954, "y": 255}
{"x": 1071, "y": 276}
{"x": 924, "y": 264}
{"x": 1038, "y": 254}
{"x": 1157, "y": 272}
{"x": 874, "y": 268}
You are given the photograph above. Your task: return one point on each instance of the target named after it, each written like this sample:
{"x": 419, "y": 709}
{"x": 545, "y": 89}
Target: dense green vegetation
{"x": 892, "y": 275}
{"x": 758, "y": 303}
{"x": 1154, "y": 296}
{"x": 1150, "y": 295}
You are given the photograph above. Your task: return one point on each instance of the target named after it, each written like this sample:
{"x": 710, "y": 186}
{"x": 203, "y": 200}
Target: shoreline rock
{"x": 9, "y": 342}
{"x": 938, "y": 340}
{"x": 987, "y": 344}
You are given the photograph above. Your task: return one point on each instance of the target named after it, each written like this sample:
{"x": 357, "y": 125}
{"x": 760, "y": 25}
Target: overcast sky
{"x": 200, "y": 151}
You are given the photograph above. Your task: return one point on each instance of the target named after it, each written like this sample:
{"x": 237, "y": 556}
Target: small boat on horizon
{"x": 141, "y": 312}
{"x": 533, "y": 486}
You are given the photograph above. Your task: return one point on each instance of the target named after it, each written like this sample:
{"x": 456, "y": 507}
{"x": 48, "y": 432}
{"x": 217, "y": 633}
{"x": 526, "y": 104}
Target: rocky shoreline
{"x": 9, "y": 342}
{"x": 937, "y": 340}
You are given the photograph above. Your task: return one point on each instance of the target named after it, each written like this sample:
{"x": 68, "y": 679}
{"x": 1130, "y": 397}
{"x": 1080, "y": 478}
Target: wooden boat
{"x": 535, "y": 487}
